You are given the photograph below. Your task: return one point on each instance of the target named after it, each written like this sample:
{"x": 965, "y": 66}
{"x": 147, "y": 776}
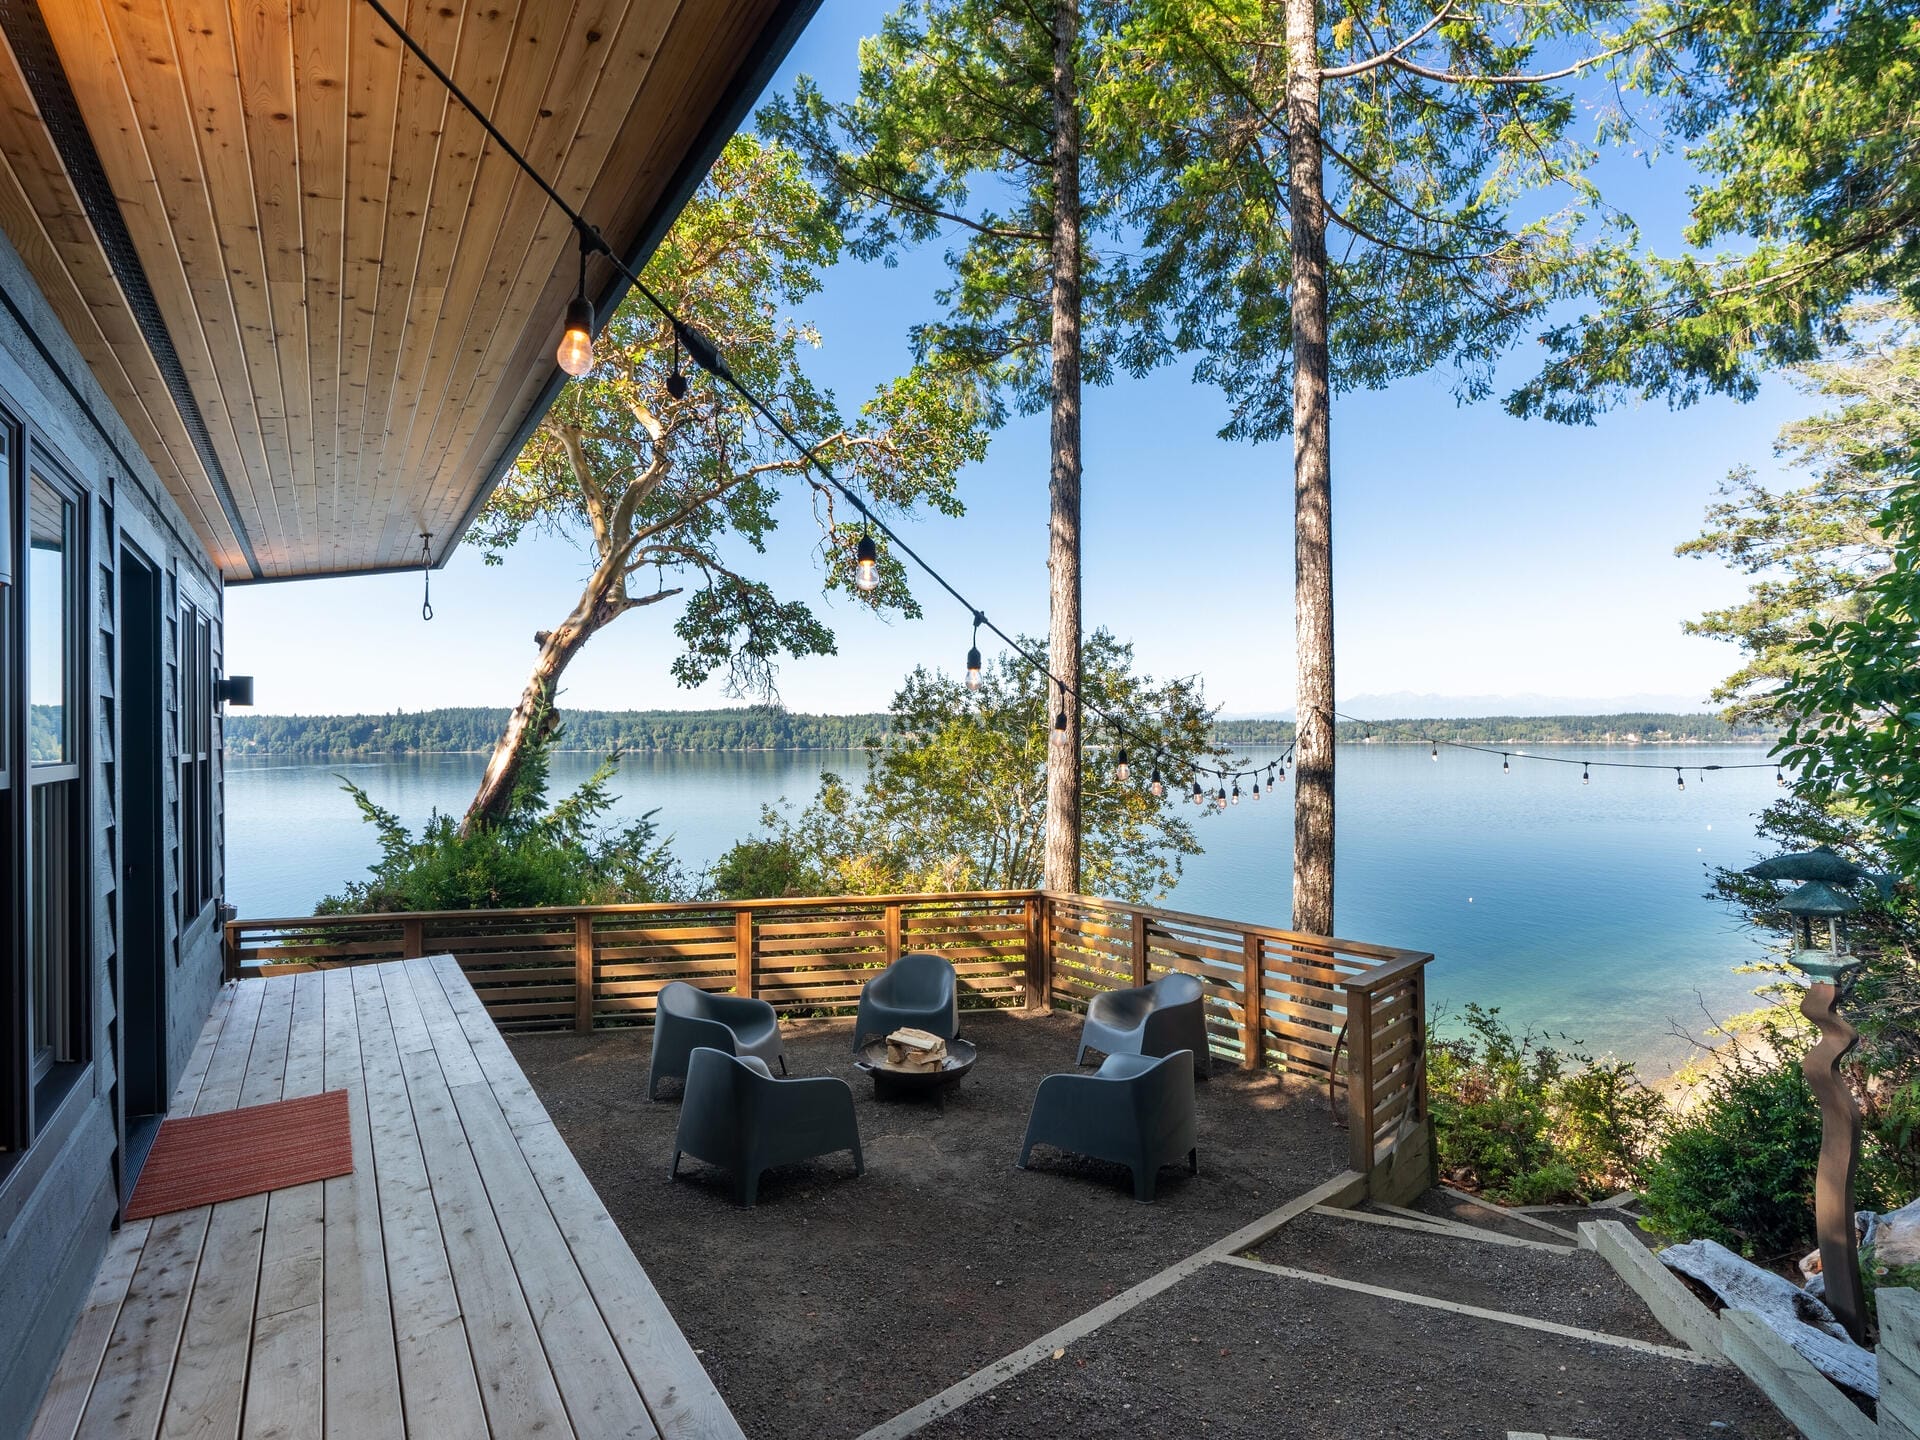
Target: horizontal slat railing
{"x": 604, "y": 964}
{"x": 1274, "y": 998}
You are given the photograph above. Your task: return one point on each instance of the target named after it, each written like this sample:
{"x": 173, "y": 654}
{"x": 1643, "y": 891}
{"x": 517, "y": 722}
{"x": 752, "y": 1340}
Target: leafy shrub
{"x": 537, "y": 855}
{"x": 1738, "y": 1166}
{"x": 770, "y": 869}
{"x": 1530, "y": 1124}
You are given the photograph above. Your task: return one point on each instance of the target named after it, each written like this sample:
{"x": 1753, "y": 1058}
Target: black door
{"x": 143, "y": 995}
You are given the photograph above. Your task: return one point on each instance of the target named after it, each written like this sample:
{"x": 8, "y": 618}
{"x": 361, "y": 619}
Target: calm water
{"x": 1576, "y": 908}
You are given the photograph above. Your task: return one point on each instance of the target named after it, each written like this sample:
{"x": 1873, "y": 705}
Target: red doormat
{"x": 200, "y": 1159}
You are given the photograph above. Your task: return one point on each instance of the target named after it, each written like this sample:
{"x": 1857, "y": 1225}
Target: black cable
{"x": 1560, "y": 759}
{"x": 704, "y": 354}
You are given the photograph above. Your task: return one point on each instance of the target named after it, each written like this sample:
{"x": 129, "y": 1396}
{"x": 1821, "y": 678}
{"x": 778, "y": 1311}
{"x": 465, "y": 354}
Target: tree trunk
{"x": 557, "y": 649}
{"x": 1061, "y": 870}
{"x": 1312, "y": 484}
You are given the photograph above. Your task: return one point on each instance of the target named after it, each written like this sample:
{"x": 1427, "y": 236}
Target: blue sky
{"x": 1474, "y": 553}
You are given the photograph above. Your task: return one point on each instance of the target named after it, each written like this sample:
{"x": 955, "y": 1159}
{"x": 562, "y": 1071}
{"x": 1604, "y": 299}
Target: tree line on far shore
{"x": 474, "y": 729}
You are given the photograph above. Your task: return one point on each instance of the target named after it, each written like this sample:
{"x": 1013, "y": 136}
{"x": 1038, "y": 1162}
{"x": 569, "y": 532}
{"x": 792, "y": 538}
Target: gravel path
{"x": 838, "y": 1302}
{"x": 1235, "y": 1355}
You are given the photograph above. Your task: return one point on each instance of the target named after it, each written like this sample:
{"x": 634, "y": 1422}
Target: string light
{"x": 1585, "y": 775}
{"x": 1155, "y": 787}
{"x": 676, "y": 380}
{"x": 1195, "y": 798}
{"x": 1256, "y": 788}
{"x": 1587, "y": 766}
{"x": 1678, "y": 778}
{"x": 1436, "y": 752}
{"x": 1121, "y": 770}
{"x": 1779, "y": 776}
{"x": 575, "y": 355}
{"x": 1060, "y": 720}
{"x": 1221, "y": 800}
{"x": 1236, "y": 791}
{"x": 1506, "y": 766}
{"x": 973, "y": 655}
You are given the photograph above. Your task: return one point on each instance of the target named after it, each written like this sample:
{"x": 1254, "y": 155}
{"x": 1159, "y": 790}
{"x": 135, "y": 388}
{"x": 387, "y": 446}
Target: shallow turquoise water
{"x": 1575, "y": 908}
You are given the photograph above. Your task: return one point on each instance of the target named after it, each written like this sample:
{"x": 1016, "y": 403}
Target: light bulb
{"x": 1121, "y": 770}
{"x": 866, "y": 564}
{"x": 1678, "y": 778}
{"x": 1506, "y": 768}
{"x": 1283, "y": 772}
{"x": 1221, "y": 800}
{"x": 1779, "y": 776}
{"x": 1584, "y": 776}
{"x": 973, "y": 668}
{"x": 1236, "y": 792}
{"x": 576, "y": 344}
{"x": 1195, "y": 798}
{"x": 1060, "y": 725}
{"x": 1155, "y": 787}
{"x": 1436, "y": 752}
{"x": 1256, "y": 789}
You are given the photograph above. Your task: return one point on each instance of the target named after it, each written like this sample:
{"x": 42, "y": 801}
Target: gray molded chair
{"x": 689, "y": 1017}
{"x": 916, "y": 990}
{"x": 737, "y": 1116}
{"x": 1135, "y": 1110}
{"x": 1157, "y": 1019}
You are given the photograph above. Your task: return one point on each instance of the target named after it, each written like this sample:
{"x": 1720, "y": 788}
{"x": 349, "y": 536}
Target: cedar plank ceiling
{"x": 339, "y": 318}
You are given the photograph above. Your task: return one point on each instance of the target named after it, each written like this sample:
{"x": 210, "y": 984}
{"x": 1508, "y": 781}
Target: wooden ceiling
{"x": 329, "y": 311}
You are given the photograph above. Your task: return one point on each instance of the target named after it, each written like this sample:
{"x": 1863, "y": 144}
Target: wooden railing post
{"x": 1139, "y": 947}
{"x": 413, "y": 939}
{"x": 583, "y": 973}
{"x": 1039, "y": 982}
{"x": 1253, "y": 1027}
{"x": 1360, "y": 1078}
{"x": 890, "y": 925}
{"x": 743, "y": 952}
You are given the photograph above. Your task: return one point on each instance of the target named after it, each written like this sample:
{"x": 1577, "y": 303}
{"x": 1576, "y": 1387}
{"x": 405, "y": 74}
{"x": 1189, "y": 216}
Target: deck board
{"x": 463, "y": 1281}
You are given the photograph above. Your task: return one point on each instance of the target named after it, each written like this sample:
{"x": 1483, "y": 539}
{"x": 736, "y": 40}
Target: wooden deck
{"x": 463, "y": 1281}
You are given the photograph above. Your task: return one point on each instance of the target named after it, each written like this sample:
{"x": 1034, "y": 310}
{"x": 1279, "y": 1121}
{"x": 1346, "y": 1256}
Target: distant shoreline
{"x": 472, "y": 730}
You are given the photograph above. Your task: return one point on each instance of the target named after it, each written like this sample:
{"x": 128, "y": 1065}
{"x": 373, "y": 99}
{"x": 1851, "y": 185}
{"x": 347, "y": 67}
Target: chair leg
{"x": 1145, "y": 1178}
{"x": 859, "y": 1160}
{"x": 1080, "y": 1055}
{"x": 746, "y": 1187}
{"x": 673, "y": 1170}
{"x": 783, "y": 1062}
{"x": 653, "y": 1084}
{"x": 1193, "y": 1161}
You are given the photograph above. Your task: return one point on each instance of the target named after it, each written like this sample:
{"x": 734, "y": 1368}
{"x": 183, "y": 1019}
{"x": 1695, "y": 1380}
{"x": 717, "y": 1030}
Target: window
{"x": 56, "y": 948}
{"x": 196, "y": 760}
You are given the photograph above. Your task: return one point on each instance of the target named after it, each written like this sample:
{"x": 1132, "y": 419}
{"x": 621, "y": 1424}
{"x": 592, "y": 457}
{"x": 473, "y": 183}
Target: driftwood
{"x": 1800, "y": 1319}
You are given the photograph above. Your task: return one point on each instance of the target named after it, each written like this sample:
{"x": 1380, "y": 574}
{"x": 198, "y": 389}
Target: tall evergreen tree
{"x": 968, "y": 120}
{"x": 1803, "y": 117}
{"x": 1436, "y": 144}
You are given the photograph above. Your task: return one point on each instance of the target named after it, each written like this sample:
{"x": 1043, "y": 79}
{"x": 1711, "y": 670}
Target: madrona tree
{"x": 669, "y": 483}
{"x": 1329, "y": 195}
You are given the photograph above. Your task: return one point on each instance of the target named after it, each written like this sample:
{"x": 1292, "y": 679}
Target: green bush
{"x": 537, "y": 855}
{"x": 1530, "y": 1124}
{"x": 770, "y": 869}
{"x": 1738, "y": 1167}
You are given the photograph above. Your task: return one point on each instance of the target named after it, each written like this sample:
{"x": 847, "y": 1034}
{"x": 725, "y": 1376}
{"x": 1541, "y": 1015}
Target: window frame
{"x": 194, "y": 731}
{"x": 47, "y": 1075}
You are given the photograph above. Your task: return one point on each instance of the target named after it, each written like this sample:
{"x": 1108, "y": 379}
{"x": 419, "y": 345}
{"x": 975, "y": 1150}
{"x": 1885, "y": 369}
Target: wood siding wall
{"x": 59, "y": 1197}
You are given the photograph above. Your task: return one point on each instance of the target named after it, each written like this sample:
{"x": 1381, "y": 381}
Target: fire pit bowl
{"x": 902, "y": 1080}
